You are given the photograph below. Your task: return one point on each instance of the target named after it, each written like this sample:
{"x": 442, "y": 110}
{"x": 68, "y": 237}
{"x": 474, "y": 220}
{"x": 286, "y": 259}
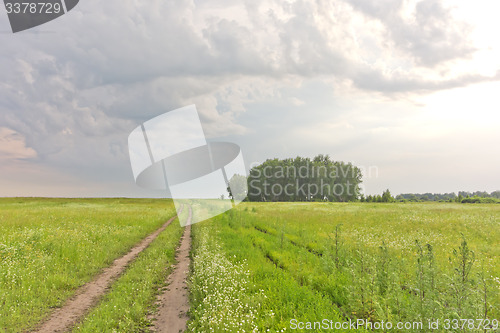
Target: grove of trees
{"x": 304, "y": 179}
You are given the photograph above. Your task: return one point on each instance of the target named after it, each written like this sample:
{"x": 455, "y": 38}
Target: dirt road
{"x": 62, "y": 319}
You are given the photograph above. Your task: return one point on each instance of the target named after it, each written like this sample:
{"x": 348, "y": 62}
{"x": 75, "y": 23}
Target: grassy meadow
{"x": 340, "y": 261}
{"x": 50, "y": 247}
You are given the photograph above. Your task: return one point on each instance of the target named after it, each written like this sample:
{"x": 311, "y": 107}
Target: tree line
{"x": 462, "y": 197}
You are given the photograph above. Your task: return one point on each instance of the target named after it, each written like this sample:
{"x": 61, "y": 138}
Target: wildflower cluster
{"x": 222, "y": 291}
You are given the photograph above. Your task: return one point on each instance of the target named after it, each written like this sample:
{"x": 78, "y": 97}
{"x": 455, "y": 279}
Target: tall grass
{"x": 387, "y": 262}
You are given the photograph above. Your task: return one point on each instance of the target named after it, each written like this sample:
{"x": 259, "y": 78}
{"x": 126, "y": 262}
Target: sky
{"x": 406, "y": 90}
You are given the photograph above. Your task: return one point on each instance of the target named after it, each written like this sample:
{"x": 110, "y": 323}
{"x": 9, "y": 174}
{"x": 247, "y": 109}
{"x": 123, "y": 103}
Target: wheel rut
{"x": 173, "y": 303}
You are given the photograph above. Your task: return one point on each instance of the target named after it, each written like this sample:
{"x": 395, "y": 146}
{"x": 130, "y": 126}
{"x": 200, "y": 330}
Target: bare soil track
{"x": 173, "y": 304}
{"x": 62, "y": 319}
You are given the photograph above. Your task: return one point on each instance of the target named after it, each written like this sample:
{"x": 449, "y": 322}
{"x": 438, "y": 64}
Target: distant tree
{"x": 481, "y": 194}
{"x": 237, "y": 188}
{"x": 387, "y": 197}
{"x": 464, "y": 194}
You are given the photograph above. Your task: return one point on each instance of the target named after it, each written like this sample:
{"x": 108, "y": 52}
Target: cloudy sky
{"x": 409, "y": 88}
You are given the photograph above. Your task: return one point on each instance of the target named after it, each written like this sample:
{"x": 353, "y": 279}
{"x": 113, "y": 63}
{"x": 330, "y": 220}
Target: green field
{"x": 311, "y": 261}
{"x": 259, "y": 267}
{"x": 50, "y": 247}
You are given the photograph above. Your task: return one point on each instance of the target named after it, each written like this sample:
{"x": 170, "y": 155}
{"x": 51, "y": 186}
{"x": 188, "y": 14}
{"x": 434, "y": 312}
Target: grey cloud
{"x": 44, "y": 106}
{"x": 92, "y": 81}
{"x": 301, "y": 38}
{"x": 433, "y": 37}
